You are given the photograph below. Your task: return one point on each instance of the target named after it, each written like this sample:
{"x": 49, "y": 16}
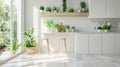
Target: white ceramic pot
{"x": 41, "y": 11}
{"x": 55, "y": 11}
{"x": 78, "y": 10}
{"x": 56, "y": 30}
{"x": 67, "y": 30}
{"x": 73, "y": 30}
{"x": 82, "y": 9}
{"x": 49, "y": 30}
{"x": 99, "y": 30}
{"x": 48, "y": 11}
{"x": 105, "y": 30}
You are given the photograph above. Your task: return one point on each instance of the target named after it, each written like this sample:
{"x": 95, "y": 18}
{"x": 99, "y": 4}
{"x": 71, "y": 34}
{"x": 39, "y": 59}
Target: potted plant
{"x": 64, "y": 5}
{"x": 48, "y": 9}
{"x": 2, "y": 48}
{"x": 83, "y": 6}
{"x": 106, "y": 27}
{"x": 15, "y": 46}
{"x": 55, "y": 9}
{"x": 99, "y": 29}
{"x": 73, "y": 28}
{"x": 67, "y": 27}
{"x": 30, "y": 42}
{"x": 71, "y": 10}
{"x": 56, "y": 27}
{"x": 49, "y": 25}
{"x": 42, "y": 9}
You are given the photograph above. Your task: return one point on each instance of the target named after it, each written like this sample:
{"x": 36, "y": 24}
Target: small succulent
{"x": 73, "y": 27}
{"x": 42, "y": 8}
{"x": 83, "y": 4}
{"x": 71, "y": 10}
{"x": 56, "y": 26}
{"x": 106, "y": 27}
{"x": 100, "y": 28}
{"x": 48, "y": 9}
{"x": 55, "y": 8}
{"x": 67, "y": 27}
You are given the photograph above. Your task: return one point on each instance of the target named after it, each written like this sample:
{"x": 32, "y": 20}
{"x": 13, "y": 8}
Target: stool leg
{"x": 48, "y": 47}
{"x": 58, "y": 46}
{"x": 41, "y": 42}
{"x": 65, "y": 45}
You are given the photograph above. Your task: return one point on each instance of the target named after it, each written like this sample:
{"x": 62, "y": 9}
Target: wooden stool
{"x": 47, "y": 42}
{"x": 64, "y": 40}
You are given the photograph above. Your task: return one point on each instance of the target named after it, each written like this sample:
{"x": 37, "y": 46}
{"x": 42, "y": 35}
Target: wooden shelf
{"x": 64, "y": 14}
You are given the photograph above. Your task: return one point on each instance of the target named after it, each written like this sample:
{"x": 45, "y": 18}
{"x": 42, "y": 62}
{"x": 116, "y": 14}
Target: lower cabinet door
{"x": 117, "y": 44}
{"x": 108, "y": 41}
{"x": 95, "y": 44}
{"x": 82, "y": 44}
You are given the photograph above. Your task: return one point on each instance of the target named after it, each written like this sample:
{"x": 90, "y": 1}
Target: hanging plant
{"x": 64, "y": 5}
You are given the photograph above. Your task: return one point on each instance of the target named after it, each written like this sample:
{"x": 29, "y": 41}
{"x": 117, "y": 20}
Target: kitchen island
{"x": 89, "y": 43}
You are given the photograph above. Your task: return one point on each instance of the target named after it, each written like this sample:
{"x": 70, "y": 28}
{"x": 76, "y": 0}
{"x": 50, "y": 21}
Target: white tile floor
{"x": 62, "y": 60}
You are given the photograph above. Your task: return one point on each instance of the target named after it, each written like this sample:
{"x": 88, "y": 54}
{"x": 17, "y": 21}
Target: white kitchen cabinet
{"x": 105, "y": 44}
{"x": 104, "y": 9}
{"x": 95, "y": 44}
{"x": 117, "y": 44}
{"x": 97, "y": 8}
{"x": 81, "y": 44}
{"x": 113, "y": 8}
{"x": 108, "y": 41}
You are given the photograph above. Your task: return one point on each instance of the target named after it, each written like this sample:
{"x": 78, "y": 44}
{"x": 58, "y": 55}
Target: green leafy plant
{"x": 99, "y": 28}
{"x": 4, "y": 33}
{"x": 73, "y": 27}
{"x": 49, "y": 23}
{"x": 55, "y": 8}
{"x": 15, "y": 45}
{"x": 42, "y": 8}
{"x": 71, "y": 10}
{"x": 56, "y": 26}
{"x": 64, "y": 5}
{"x": 106, "y": 27}
{"x": 29, "y": 38}
{"x": 48, "y": 9}
{"x": 83, "y": 4}
{"x": 67, "y": 27}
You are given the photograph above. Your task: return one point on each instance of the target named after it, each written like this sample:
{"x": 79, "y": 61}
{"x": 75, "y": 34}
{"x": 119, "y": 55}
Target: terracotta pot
{"x": 13, "y": 52}
{"x": 31, "y": 50}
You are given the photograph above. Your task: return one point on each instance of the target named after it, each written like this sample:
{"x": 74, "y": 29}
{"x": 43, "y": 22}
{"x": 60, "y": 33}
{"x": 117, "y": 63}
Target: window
{"x": 9, "y": 27}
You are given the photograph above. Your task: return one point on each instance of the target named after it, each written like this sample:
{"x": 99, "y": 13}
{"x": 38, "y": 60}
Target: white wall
{"x": 81, "y": 23}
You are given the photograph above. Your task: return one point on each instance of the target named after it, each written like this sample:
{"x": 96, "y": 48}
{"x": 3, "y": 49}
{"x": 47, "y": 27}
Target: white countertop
{"x": 79, "y": 32}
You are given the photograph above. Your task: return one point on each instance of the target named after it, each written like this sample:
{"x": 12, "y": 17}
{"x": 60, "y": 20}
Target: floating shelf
{"x": 64, "y": 14}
